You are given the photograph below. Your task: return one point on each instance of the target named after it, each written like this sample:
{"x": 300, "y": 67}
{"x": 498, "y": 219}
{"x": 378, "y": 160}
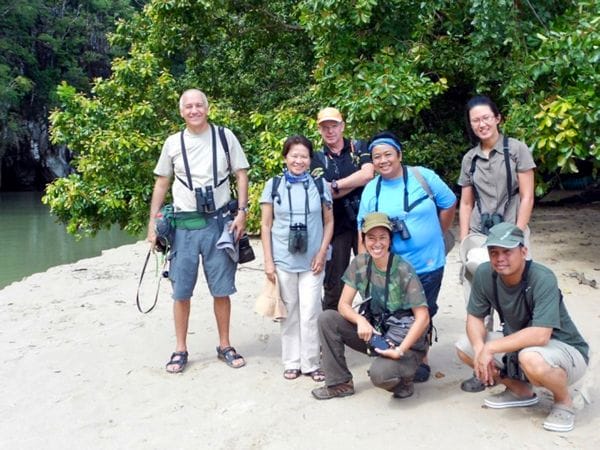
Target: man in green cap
{"x": 539, "y": 344}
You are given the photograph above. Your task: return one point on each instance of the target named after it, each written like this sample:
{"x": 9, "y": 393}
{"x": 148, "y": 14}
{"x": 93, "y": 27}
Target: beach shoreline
{"x": 81, "y": 367}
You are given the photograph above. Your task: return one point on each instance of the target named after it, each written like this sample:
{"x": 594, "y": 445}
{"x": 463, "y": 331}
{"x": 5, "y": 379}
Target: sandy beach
{"x": 82, "y": 368}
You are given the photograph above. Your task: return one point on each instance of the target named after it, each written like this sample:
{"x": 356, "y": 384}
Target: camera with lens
{"x": 351, "y": 207}
{"x": 298, "y": 239}
{"x": 399, "y": 226}
{"x": 246, "y": 254}
{"x": 489, "y": 220}
{"x": 205, "y": 200}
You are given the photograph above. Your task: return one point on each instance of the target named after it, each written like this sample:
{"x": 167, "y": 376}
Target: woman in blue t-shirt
{"x": 419, "y": 219}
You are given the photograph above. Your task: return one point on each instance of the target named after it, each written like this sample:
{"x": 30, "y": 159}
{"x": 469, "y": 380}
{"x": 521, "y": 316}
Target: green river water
{"x": 32, "y": 241}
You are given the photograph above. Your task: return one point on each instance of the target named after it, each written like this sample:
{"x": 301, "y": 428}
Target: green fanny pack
{"x": 189, "y": 220}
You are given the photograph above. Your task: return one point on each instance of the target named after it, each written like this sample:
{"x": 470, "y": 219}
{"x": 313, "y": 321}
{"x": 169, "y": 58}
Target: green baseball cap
{"x": 375, "y": 219}
{"x": 505, "y": 235}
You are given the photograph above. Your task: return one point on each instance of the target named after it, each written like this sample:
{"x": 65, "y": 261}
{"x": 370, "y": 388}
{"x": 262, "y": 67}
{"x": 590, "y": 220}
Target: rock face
{"x": 34, "y": 162}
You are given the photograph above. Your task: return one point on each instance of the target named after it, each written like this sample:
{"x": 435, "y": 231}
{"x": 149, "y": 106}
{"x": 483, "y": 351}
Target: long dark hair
{"x": 297, "y": 139}
{"x": 478, "y": 100}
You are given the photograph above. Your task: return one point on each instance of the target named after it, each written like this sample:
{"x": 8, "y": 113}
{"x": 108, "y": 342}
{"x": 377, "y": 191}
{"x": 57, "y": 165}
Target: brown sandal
{"x": 317, "y": 375}
{"x": 291, "y": 374}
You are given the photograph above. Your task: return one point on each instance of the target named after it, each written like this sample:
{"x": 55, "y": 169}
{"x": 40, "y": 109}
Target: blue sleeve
{"x": 366, "y": 201}
{"x": 444, "y": 197}
{"x": 265, "y": 197}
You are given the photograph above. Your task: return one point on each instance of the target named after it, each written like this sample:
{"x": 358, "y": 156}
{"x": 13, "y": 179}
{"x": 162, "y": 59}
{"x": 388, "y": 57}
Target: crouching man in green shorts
{"x": 539, "y": 345}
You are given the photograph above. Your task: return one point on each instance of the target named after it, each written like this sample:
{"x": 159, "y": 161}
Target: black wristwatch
{"x": 243, "y": 209}
{"x": 335, "y": 187}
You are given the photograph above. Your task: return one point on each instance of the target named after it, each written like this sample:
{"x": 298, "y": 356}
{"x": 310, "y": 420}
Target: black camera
{"x": 246, "y": 254}
{"x": 232, "y": 207}
{"x": 351, "y": 207}
{"x": 205, "y": 200}
{"x": 399, "y": 226}
{"x": 298, "y": 239}
{"x": 489, "y": 220}
{"x": 511, "y": 368}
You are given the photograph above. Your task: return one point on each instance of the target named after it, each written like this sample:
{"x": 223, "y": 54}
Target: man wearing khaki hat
{"x": 346, "y": 165}
{"x": 539, "y": 344}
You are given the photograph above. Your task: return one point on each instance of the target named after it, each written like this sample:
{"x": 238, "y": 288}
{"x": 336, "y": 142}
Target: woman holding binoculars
{"x": 497, "y": 185}
{"x": 419, "y": 220}
{"x": 296, "y": 228}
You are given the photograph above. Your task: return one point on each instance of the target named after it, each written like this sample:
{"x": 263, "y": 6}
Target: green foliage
{"x": 268, "y": 67}
{"x": 562, "y": 80}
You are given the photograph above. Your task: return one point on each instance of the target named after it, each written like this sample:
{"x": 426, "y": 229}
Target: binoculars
{"x": 399, "y": 226}
{"x": 489, "y": 220}
{"x": 351, "y": 207}
{"x": 298, "y": 239}
{"x": 205, "y": 200}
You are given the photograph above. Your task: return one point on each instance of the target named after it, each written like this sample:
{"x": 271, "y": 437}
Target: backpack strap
{"x": 419, "y": 176}
{"x": 506, "y": 153}
{"x": 275, "y": 189}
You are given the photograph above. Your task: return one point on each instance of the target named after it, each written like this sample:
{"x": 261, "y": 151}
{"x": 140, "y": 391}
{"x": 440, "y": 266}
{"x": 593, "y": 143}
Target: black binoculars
{"x": 205, "y": 200}
{"x": 298, "y": 239}
{"x": 489, "y": 220}
{"x": 399, "y": 226}
{"x": 351, "y": 207}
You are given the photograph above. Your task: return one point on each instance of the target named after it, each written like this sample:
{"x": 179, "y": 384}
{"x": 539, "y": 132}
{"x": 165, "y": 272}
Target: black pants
{"x": 336, "y": 266}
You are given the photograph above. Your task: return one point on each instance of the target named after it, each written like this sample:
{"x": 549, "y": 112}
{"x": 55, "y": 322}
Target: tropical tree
{"x": 268, "y": 67}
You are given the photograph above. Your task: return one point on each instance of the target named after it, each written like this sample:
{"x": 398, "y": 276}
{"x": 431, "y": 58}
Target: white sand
{"x": 82, "y": 368}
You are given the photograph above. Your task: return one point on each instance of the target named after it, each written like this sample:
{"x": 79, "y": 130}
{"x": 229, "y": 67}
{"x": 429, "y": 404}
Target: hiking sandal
{"x": 228, "y": 355}
{"x": 317, "y": 375}
{"x": 179, "y": 360}
{"x": 291, "y": 374}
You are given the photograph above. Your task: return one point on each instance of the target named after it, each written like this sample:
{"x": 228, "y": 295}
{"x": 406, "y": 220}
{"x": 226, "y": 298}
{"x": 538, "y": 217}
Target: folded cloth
{"x": 269, "y": 302}
{"x": 472, "y": 252}
{"x": 228, "y": 243}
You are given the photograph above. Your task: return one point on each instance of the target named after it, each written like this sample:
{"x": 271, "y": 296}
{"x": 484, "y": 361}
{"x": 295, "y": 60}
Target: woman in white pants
{"x": 296, "y": 228}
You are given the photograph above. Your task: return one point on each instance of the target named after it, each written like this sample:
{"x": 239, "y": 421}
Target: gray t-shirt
{"x": 489, "y": 179}
{"x": 280, "y": 231}
{"x": 200, "y": 158}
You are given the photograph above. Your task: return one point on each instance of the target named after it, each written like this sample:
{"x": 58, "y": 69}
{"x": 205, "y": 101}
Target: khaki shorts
{"x": 555, "y": 353}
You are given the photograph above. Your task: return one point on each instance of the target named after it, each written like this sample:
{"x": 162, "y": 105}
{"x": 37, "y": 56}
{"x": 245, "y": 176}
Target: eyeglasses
{"x": 483, "y": 119}
{"x": 329, "y": 127}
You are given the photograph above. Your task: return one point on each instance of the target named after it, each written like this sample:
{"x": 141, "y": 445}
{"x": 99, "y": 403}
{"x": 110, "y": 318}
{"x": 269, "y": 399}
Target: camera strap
{"x": 388, "y": 271}
{"x": 496, "y": 302}
{"x": 406, "y": 206}
{"x": 506, "y": 153}
{"x": 186, "y": 163}
{"x": 306, "y": 207}
{"x": 160, "y": 277}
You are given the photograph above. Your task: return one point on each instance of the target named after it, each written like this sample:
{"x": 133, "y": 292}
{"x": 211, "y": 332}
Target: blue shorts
{"x": 219, "y": 269}
{"x": 432, "y": 282}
